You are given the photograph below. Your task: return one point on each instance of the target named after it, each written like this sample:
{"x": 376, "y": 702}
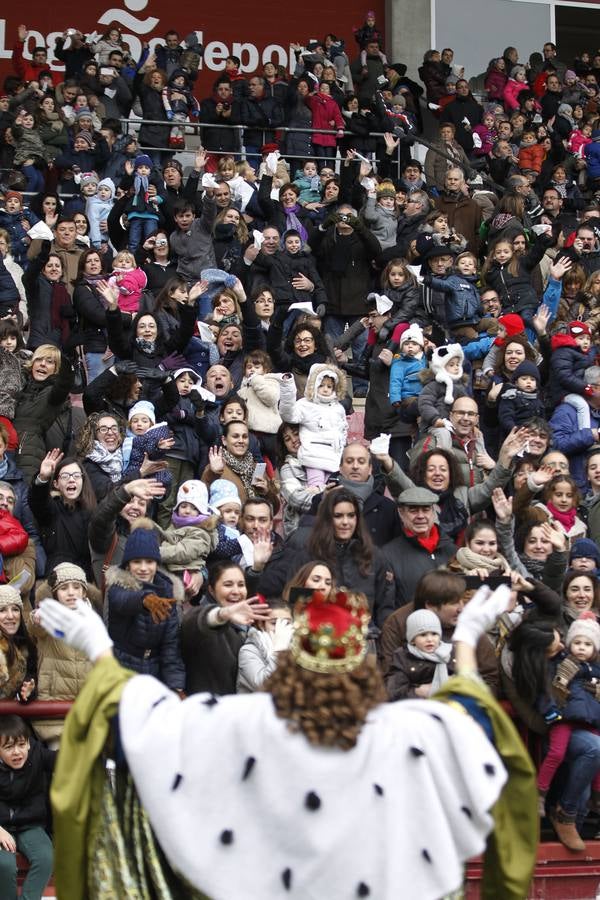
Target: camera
{"x": 344, "y": 217}
{"x": 225, "y": 104}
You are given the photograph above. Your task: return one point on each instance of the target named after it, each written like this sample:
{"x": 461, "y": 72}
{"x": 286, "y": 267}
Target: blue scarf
{"x": 140, "y": 183}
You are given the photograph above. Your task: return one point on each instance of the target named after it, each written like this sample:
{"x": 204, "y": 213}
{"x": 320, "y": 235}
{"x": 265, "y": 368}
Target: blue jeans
{"x": 35, "y": 179}
{"x": 139, "y": 230}
{"x": 583, "y": 762}
{"x": 335, "y": 327}
{"x": 36, "y": 846}
{"x": 94, "y": 365}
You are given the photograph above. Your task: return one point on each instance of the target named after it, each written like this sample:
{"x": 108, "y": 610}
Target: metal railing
{"x": 37, "y": 709}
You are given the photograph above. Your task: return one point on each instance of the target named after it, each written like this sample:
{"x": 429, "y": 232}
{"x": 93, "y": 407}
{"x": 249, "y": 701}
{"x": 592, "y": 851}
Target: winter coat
{"x": 210, "y": 654}
{"x": 283, "y": 266}
{"x": 274, "y": 212}
{"x": 153, "y": 108}
{"x": 225, "y": 139}
{"x": 404, "y": 377}
{"x": 347, "y": 288}
{"x": 123, "y": 343}
{"x": 455, "y": 112}
{"x": 297, "y": 498}
{"x": 436, "y": 166}
{"x": 257, "y": 660}
{"x": 510, "y": 94}
{"x": 262, "y": 115}
{"x": 380, "y": 415}
{"x": 376, "y": 585}
{"x": 532, "y": 157}
{"x": 108, "y": 532}
{"x": 323, "y": 425}
{"x": 38, "y": 406}
{"x": 573, "y": 441}
{"x": 87, "y": 160}
{"x": 433, "y": 75}
{"x": 406, "y": 673}
{"x": 569, "y": 363}
{"x": 464, "y": 216}
{"x": 9, "y": 292}
{"x": 63, "y": 528}
{"x": 591, "y": 153}
{"x": 194, "y": 248}
{"x": 516, "y": 292}
{"x": 51, "y": 312}
{"x": 494, "y": 83}
{"x": 24, "y": 791}
{"x": 382, "y": 222}
{"x": 409, "y": 561}
{"x": 13, "y": 223}
{"x": 147, "y": 647}
{"x": 261, "y": 393}
{"x": 188, "y": 546}
{"x": 408, "y": 303}
{"x": 324, "y": 110}
{"x": 432, "y": 403}
{"x": 516, "y": 407}
{"x": 92, "y": 317}
{"x": 463, "y": 303}
{"x": 12, "y": 380}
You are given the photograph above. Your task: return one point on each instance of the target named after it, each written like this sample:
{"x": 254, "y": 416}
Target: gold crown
{"x": 330, "y": 633}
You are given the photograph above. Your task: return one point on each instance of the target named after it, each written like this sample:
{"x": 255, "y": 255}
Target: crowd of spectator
{"x": 182, "y": 349}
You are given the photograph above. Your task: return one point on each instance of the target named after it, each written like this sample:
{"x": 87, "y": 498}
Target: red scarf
{"x": 566, "y": 519}
{"x": 428, "y": 543}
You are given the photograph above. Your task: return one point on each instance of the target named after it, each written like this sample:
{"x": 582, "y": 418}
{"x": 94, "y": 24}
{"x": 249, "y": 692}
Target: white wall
{"x": 478, "y": 30}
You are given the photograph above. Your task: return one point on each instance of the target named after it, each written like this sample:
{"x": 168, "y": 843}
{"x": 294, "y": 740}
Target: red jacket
{"x": 532, "y": 157}
{"x": 324, "y": 111}
{"x": 13, "y": 537}
{"x": 26, "y": 68}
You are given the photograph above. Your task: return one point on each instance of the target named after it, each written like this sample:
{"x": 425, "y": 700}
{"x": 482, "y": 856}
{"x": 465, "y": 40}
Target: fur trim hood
{"x": 123, "y": 578}
{"x": 440, "y": 358}
{"x": 317, "y": 372}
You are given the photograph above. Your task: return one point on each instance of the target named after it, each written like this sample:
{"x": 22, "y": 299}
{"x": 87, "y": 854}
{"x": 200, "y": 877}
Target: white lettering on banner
{"x": 215, "y": 51}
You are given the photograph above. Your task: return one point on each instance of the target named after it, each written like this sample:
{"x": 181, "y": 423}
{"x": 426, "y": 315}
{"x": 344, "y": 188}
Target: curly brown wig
{"x": 329, "y": 710}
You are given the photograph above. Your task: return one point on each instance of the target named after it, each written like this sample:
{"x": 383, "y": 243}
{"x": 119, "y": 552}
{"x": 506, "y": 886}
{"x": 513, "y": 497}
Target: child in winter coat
{"x": 25, "y": 772}
{"x": 257, "y": 659}
{"x": 180, "y": 105}
{"x": 145, "y": 436}
{"x": 260, "y": 390}
{"x": 285, "y": 266}
{"x": 307, "y": 179}
{"x": 401, "y": 287}
{"x": 61, "y": 670}
{"x": 572, "y": 354}
{"x": 510, "y": 275}
{"x": 444, "y": 382}
{"x": 97, "y": 209}
{"x": 192, "y": 535}
{"x": 224, "y": 500}
{"x": 561, "y": 498}
{"x": 419, "y": 667}
{"x": 142, "y": 209}
{"x": 579, "y": 139}
{"x": 141, "y": 602}
{"x": 485, "y": 135}
{"x": 571, "y": 704}
{"x": 381, "y": 215}
{"x": 322, "y": 420}
{"x": 464, "y": 312}
{"x": 531, "y": 153}
{"x": 17, "y": 219}
{"x": 367, "y": 33}
{"x": 405, "y": 384}
{"x": 129, "y": 280}
{"x": 520, "y": 401}
{"x": 591, "y": 153}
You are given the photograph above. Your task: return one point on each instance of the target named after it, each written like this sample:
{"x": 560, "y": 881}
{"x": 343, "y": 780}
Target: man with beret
{"x": 420, "y": 547}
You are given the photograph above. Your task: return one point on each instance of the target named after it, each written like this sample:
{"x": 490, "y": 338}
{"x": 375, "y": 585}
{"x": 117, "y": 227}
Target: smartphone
{"x": 259, "y": 472}
{"x": 300, "y": 594}
{"x": 493, "y": 581}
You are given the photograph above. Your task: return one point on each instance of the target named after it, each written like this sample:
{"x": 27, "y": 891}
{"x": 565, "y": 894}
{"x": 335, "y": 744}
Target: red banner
{"x": 257, "y": 33}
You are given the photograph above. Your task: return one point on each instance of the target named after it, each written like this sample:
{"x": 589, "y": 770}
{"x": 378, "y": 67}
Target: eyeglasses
{"x": 107, "y": 429}
{"x": 303, "y": 340}
{"x": 65, "y": 477}
{"x": 463, "y": 412}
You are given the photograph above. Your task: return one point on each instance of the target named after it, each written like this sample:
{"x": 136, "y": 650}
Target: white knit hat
{"x": 584, "y": 626}
{"x": 421, "y": 621}
{"x": 440, "y": 358}
{"x": 223, "y": 491}
{"x": 196, "y": 493}
{"x": 9, "y": 596}
{"x": 143, "y": 408}
{"x": 414, "y": 333}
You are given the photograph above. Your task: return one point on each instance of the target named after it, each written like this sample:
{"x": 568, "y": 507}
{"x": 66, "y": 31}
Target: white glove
{"x": 208, "y": 181}
{"x": 448, "y": 425}
{"x": 480, "y": 613}
{"x": 282, "y": 635}
{"x": 80, "y": 628}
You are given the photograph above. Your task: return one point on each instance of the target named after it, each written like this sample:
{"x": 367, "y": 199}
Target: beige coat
{"x": 261, "y": 393}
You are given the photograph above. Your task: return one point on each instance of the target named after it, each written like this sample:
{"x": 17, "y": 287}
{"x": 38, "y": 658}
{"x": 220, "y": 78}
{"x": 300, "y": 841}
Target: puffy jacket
{"x": 432, "y": 403}
{"x": 324, "y": 111}
{"x": 511, "y": 92}
{"x": 569, "y": 363}
{"x": 323, "y": 425}
{"x": 463, "y": 304}
{"x": 24, "y": 791}
{"x": 131, "y": 627}
{"x": 261, "y": 393}
{"x": 152, "y": 135}
{"x": 404, "y": 377}
{"x": 532, "y": 157}
{"x": 382, "y": 222}
{"x": 592, "y": 157}
{"x": 516, "y": 292}
{"x": 516, "y": 407}
{"x": 38, "y": 405}
{"x": 408, "y": 303}
{"x": 406, "y": 673}
{"x": 63, "y": 528}
{"x": 122, "y": 342}
{"x": 572, "y": 440}
{"x": 13, "y": 537}
{"x": 194, "y": 248}
{"x": 19, "y": 242}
